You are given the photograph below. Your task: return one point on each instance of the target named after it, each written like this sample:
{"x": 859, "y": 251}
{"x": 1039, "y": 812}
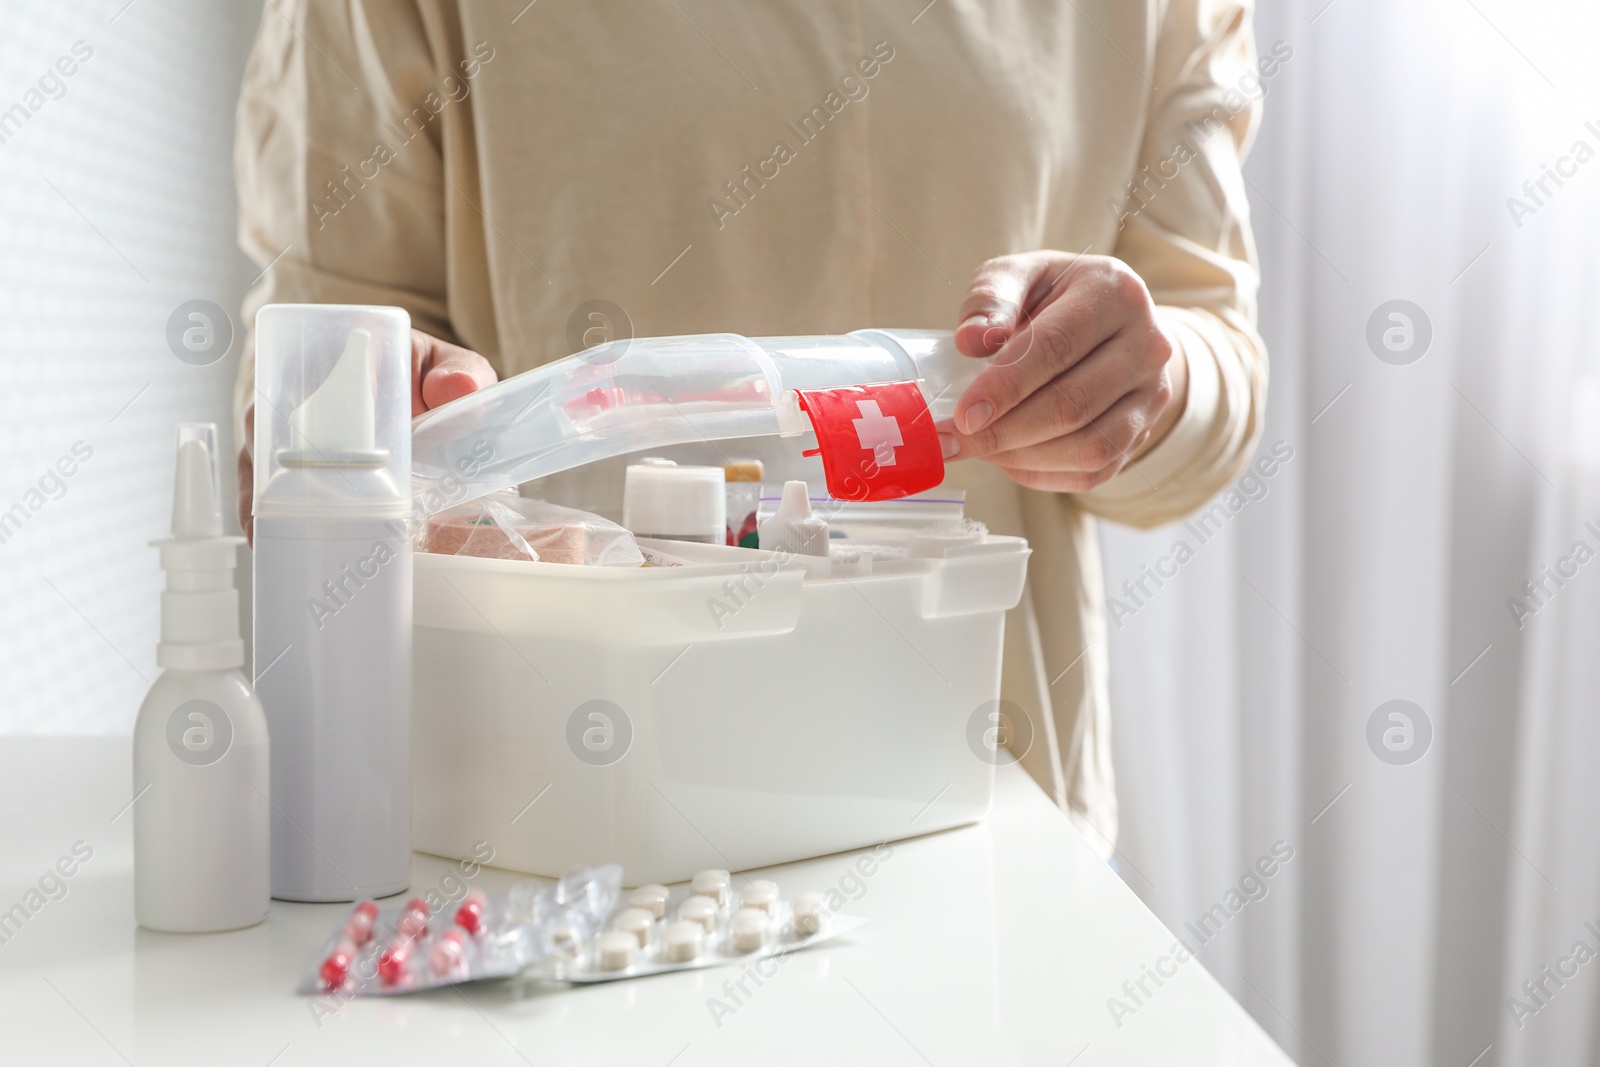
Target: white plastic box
{"x": 824, "y": 714}
{"x": 744, "y": 710}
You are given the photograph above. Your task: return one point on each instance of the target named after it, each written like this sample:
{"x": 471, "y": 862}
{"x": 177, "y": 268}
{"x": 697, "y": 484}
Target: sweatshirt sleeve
{"x": 1185, "y": 229}
{"x": 338, "y": 164}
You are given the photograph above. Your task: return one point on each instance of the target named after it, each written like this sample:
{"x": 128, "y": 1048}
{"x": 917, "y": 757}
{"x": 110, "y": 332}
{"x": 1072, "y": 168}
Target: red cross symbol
{"x": 877, "y": 441}
{"x": 877, "y": 432}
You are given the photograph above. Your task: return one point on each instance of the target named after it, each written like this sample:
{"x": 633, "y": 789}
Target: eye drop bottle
{"x": 200, "y": 754}
{"x": 333, "y": 595}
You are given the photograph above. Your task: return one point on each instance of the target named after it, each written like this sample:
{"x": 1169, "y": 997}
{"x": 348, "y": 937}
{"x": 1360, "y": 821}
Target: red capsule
{"x": 367, "y": 908}
{"x": 447, "y": 955}
{"x": 470, "y": 916}
{"x": 336, "y": 967}
{"x": 414, "y": 921}
{"x": 392, "y": 964}
{"x": 359, "y": 927}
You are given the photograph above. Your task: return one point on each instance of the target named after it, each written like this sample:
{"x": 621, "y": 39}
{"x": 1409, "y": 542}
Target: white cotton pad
{"x": 682, "y": 941}
{"x": 702, "y": 910}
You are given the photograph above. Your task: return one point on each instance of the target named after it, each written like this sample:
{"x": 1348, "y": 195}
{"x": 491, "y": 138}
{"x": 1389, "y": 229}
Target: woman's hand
{"x": 1084, "y": 380}
{"x": 440, "y": 372}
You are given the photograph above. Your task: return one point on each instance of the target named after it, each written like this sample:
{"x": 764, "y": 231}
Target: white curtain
{"x": 116, "y": 211}
{"x": 1376, "y": 563}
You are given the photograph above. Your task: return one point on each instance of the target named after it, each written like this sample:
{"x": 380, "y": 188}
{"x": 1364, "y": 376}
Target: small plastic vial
{"x": 794, "y": 529}
{"x": 201, "y": 767}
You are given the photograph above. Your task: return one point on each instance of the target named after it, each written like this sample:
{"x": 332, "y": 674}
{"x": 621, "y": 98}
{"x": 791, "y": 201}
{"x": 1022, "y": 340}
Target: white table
{"x": 995, "y": 944}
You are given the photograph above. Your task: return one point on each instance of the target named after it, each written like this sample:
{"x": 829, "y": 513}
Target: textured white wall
{"x": 116, "y": 191}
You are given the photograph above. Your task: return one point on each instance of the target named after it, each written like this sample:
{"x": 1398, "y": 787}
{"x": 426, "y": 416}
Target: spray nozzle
{"x": 334, "y": 426}
{"x": 196, "y": 490}
{"x": 795, "y": 528}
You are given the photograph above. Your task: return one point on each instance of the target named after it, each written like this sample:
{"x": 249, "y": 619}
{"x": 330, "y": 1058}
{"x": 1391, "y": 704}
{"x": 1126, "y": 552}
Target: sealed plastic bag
{"x": 504, "y": 525}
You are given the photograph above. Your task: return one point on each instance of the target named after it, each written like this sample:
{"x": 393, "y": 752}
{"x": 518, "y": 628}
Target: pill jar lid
{"x": 744, "y": 470}
{"x": 662, "y": 499}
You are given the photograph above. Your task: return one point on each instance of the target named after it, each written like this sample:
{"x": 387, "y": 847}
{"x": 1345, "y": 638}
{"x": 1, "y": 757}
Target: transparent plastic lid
{"x": 333, "y": 394}
{"x": 641, "y": 393}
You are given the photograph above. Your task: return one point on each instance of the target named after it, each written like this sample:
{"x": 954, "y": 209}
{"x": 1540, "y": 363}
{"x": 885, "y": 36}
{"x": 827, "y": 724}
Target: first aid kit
{"x": 725, "y": 707}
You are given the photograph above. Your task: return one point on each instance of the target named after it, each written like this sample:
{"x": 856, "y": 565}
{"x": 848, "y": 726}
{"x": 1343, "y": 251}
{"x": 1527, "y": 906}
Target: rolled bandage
{"x": 635, "y": 921}
{"x": 652, "y": 898}
{"x": 810, "y": 915}
{"x": 747, "y": 930}
{"x": 702, "y": 910}
{"x": 760, "y": 895}
{"x": 682, "y": 941}
{"x": 713, "y": 884}
{"x": 614, "y": 950}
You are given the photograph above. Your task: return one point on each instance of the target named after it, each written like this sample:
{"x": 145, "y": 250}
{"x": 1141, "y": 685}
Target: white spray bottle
{"x": 200, "y": 766}
{"x": 333, "y": 595}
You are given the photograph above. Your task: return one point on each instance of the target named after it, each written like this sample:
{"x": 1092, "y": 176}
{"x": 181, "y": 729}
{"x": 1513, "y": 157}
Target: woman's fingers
{"x": 1088, "y": 305}
{"x": 1061, "y": 481}
{"x": 1107, "y": 442}
{"x": 247, "y": 477}
{"x": 1068, "y": 402}
{"x": 995, "y": 302}
{"x": 442, "y": 372}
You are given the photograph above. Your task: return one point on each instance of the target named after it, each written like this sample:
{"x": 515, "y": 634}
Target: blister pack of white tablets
{"x": 710, "y": 923}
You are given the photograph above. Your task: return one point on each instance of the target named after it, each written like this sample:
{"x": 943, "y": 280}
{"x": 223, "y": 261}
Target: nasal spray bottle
{"x": 333, "y": 595}
{"x": 200, "y": 763}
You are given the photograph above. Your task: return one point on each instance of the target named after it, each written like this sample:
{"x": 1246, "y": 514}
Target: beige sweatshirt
{"x": 777, "y": 168}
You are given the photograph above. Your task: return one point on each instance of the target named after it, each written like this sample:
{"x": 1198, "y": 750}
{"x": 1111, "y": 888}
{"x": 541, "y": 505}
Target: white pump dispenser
{"x": 333, "y": 595}
{"x": 200, "y": 755}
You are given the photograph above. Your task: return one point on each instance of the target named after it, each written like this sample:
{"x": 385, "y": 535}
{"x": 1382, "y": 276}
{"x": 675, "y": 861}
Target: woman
{"x": 508, "y": 175}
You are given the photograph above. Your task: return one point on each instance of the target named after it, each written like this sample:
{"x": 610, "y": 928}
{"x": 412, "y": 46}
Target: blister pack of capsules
{"x": 575, "y": 930}
{"x": 380, "y": 952}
